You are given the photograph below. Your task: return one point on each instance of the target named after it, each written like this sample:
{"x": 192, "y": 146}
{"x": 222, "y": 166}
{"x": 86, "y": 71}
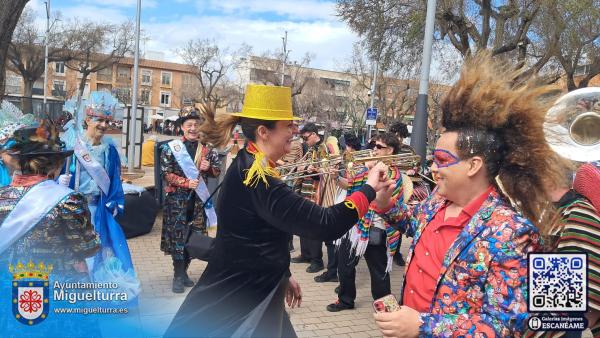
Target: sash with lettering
{"x": 30, "y": 210}
{"x": 93, "y": 167}
{"x": 190, "y": 170}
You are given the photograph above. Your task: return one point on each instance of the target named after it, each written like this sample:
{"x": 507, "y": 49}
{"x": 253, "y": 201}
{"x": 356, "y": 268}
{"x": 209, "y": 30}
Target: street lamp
{"x": 418, "y": 138}
{"x": 47, "y": 38}
{"x": 133, "y": 113}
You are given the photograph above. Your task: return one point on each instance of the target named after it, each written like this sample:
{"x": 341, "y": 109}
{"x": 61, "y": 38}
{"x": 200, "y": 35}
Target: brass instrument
{"x": 572, "y": 125}
{"x": 403, "y": 162}
{"x": 352, "y": 164}
{"x": 291, "y": 172}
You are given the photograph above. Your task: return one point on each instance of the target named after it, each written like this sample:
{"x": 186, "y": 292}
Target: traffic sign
{"x": 371, "y": 116}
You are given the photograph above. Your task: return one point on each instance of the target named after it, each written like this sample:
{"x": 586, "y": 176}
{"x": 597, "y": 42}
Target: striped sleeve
{"x": 581, "y": 233}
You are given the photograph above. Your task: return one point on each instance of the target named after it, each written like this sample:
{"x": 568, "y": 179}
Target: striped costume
{"x": 578, "y": 230}
{"x": 359, "y": 234}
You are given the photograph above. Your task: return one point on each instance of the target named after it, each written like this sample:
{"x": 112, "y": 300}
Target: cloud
{"x": 96, "y": 14}
{"x": 122, "y": 3}
{"x": 326, "y": 40}
{"x": 311, "y": 24}
{"x": 298, "y": 10}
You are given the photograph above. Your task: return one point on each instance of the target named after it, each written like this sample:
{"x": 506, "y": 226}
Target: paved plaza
{"x": 158, "y": 304}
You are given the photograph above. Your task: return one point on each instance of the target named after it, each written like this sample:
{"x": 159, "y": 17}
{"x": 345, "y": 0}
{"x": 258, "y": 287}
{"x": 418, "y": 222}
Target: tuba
{"x": 572, "y": 125}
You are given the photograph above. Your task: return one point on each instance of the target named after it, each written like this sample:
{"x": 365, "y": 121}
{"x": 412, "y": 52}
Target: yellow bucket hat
{"x": 272, "y": 103}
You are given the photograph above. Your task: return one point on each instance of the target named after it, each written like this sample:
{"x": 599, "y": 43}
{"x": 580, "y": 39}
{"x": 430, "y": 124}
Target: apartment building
{"x": 164, "y": 87}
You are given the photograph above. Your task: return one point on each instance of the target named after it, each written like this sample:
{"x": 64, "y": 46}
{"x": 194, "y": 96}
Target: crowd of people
{"x": 495, "y": 176}
{"x": 495, "y": 192}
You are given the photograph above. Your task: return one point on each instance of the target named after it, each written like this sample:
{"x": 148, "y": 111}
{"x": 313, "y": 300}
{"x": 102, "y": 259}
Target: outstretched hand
{"x": 377, "y": 178}
{"x": 384, "y": 197}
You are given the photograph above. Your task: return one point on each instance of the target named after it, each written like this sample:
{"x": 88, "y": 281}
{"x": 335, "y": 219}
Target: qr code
{"x": 557, "y": 282}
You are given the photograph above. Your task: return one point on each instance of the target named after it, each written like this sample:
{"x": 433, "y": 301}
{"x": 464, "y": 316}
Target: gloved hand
{"x": 64, "y": 179}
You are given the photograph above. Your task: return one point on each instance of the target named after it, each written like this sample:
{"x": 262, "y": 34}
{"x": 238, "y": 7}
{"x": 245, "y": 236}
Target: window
{"x": 123, "y": 94}
{"x": 58, "y": 88}
{"x": 165, "y": 78}
{"x": 38, "y": 87}
{"x": 105, "y": 74}
{"x": 145, "y": 97}
{"x": 59, "y": 68}
{"x": 581, "y": 70}
{"x": 146, "y": 77}
{"x": 188, "y": 80}
{"x": 165, "y": 99}
{"x": 123, "y": 73}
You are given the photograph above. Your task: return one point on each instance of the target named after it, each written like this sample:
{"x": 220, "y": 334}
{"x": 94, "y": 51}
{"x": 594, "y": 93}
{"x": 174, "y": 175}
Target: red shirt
{"x": 429, "y": 253}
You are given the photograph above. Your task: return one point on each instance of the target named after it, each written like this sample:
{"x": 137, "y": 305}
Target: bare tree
{"x": 394, "y": 96}
{"x": 577, "y": 25}
{"x": 319, "y": 103}
{"x": 10, "y": 12}
{"x": 26, "y": 52}
{"x": 270, "y": 68}
{"x": 99, "y": 46}
{"x": 513, "y": 30}
{"x": 212, "y": 65}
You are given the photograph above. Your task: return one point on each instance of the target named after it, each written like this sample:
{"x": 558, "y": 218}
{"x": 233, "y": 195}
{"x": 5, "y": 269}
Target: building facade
{"x": 164, "y": 87}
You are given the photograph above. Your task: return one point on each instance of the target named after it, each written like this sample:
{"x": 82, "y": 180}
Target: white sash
{"x": 93, "y": 167}
{"x": 30, "y": 210}
{"x": 191, "y": 172}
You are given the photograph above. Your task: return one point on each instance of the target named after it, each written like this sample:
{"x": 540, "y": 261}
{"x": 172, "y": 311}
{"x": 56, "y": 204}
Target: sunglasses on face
{"x": 306, "y": 136}
{"x": 443, "y": 158}
{"x": 380, "y": 146}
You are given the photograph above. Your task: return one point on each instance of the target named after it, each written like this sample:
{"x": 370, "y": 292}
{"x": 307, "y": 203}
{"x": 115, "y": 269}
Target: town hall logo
{"x": 30, "y": 295}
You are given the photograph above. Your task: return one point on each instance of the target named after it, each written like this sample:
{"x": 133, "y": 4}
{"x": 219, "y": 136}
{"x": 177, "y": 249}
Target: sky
{"x": 311, "y": 24}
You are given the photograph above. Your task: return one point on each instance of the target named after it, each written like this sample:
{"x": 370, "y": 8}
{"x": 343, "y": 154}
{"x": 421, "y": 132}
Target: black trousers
{"x": 376, "y": 258}
{"x": 313, "y": 250}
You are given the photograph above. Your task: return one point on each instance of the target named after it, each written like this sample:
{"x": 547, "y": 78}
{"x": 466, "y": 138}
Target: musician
{"x": 493, "y": 127}
{"x": 311, "y": 251}
{"x": 371, "y": 238}
{"x": 294, "y": 156}
{"x": 351, "y": 144}
{"x": 185, "y": 166}
{"x": 242, "y": 290}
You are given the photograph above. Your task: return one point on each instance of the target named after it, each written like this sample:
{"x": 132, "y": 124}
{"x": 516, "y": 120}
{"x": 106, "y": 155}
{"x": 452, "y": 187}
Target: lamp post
{"x": 133, "y": 114}
{"x": 418, "y": 138}
{"x": 47, "y": 38}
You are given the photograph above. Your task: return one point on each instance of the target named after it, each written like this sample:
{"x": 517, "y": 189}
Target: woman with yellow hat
{"x": 242, "y": 290}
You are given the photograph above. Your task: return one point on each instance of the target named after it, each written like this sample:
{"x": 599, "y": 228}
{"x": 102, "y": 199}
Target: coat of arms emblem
{"x": 30, "y": 292}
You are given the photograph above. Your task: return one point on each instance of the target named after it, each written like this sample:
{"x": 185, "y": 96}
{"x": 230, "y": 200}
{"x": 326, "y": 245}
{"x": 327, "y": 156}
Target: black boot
{"x": 187, "y": 281}
{"x": 179, "y": 267}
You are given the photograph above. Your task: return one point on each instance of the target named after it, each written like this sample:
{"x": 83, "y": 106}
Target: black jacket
{"x": 250, "y": 259}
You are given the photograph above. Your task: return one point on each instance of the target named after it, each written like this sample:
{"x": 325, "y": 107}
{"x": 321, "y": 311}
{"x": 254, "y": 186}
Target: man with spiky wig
{"x": 467, "y": 266}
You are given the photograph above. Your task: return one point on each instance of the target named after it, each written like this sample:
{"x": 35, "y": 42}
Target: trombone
{"x": 296, "y": 170}
{"x": 355, "y": 161}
